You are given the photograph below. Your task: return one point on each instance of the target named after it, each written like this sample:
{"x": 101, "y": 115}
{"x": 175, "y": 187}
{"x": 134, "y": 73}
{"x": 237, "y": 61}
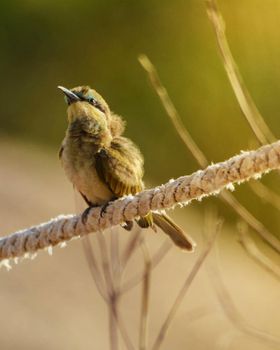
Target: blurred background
{"x": 52, "y": 303}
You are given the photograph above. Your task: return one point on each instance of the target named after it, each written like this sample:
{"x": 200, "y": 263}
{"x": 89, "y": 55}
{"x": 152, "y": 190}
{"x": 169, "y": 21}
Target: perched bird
{"x": 101, "y": 163}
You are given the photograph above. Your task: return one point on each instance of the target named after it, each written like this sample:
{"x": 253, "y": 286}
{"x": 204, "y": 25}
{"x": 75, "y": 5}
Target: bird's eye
{"x": 95, "y": 103}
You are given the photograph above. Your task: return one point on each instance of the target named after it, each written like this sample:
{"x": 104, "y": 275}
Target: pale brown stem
{"x": 251, "y": 248}
{"x": 246, "y": 103}
{"x": 156, "y": 259}
{"x": 145, "y": 298}
{"x": 172, "y": 111}
{"x": 230, "y": 309}
{"x": 265, "y": 193}
{"x": 94, "y": 268}
{"x": 170, "y": 317}
{"x": 198, "y": 154}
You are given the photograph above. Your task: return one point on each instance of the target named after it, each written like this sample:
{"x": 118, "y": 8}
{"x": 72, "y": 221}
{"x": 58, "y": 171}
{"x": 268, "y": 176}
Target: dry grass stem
{"x": 181, "y": 130}
{"x": 156, "y": 259}
{"x": 143, "y": 338}
{"x": 251, "y": 248}
{"x": 112, "y": 297}
{"x": 252, "y": 221}
{"x": 171, "y": 111}
{"x": 115, "y": 263}
{"x": 265, "y": 193}
{"x": 135, "y": 238}
{"x": 178, "y": 301}
{"x": 94, "y": 268}
{"x": 230, "y": 309}
{"x": 246, "y": 103}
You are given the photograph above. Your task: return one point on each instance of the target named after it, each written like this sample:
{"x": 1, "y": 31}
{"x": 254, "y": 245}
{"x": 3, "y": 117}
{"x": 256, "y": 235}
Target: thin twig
{"x": 251, "y": 220}
{"x": 143, "y": 338}
{"x": 135, "y": 239}
{"x": 251, "y": 248}
{"x": 105, "y": 262}
{"x": 183, "y": 291}
{"x": 251, "y": 112}
{"x": 113, "y": 330}
{"x": 112, "y": 297}
{"x": 172, "y": 111}
{"x": 265, "y": 193}
{"x": 115, "y": 319}
{"x": 94, "y": 268}
{"x": 198, "y": 154}
{"x": 230, "y": 309}
{"x": 261, "y": 130}
{"x": 115, "y": 257}
{"x": 156, "y": 259}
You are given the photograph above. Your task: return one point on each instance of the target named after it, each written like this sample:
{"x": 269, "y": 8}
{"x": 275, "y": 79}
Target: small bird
{"x": 102, "y": 164}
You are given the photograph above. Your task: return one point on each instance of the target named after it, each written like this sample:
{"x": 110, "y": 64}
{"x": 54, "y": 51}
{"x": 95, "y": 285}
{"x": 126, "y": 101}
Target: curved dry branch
{"x": 176, "y": 192}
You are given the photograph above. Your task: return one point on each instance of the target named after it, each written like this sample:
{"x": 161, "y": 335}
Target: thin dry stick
{"x": 183, "y": 291}
{"x": 115, "y": 257}
{"x": 198, "y": 154}
{"x": 181, "y": 191}
{"x": 251, "y": 248}
{"x": 245, "y": 100}
{"x": 243, "y": 96}
{"x": 253, "y": 116}
{"x": 251, "y": 220}
{"x": 121, "y": 325}
{"x": 230, "y": 309}
{"x": 156, "y": 259}
{"x": 89, "y": 252}
{"x": 265, "y": 193}
{"x": 145, "y": 298}
{"x": 135, "y": 239}
{"x": 112, "y": 298}
{"x": 94, "y": 268}
{"x": 172, "y": 111}
{"x": 105, "y": 263}
{"x": 113, "y": 331}
{"x": 115, "y": 319}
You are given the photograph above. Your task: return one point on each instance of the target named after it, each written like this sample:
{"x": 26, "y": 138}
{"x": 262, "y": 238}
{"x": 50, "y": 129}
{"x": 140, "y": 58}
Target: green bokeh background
{"x": 48, "y": 43}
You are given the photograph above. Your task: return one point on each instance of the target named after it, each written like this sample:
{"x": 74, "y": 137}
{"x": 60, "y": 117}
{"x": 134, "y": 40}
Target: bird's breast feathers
{"x": 81, "y": 171}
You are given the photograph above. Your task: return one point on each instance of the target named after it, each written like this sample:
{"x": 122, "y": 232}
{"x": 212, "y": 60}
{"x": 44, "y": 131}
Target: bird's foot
{"x": 104, "y": 207}
{"x": 102, "y": 212}
{"x": 86, "y": 212}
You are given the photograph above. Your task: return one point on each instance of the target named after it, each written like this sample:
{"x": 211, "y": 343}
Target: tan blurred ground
{"x": 52, "y": 303}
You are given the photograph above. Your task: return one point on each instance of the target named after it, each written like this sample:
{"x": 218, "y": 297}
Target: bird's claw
{"x": 85, "y": 215}
{"x": 103, "y": 209}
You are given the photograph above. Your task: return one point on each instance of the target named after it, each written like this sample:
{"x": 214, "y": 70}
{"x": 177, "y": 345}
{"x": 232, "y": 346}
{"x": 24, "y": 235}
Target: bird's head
{"x": 85, "y": 102}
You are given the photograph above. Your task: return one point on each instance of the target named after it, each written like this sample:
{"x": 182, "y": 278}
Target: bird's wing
{"x": 120, "y": 166}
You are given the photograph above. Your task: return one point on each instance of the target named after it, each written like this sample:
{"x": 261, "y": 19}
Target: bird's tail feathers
{"x": 178, "y": 236}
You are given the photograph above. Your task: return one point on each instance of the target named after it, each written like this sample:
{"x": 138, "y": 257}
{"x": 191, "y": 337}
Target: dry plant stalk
{"x": 199, "y": 156}
{"x": 231, "y": 310}
{"x": 251, "y": 248}
{"x": 245, "y": 100}
{"x": 262, "y": 133}
{"x": 181, "y": 191}
{"x": 246, "y": 103}
{"x": 217, "y": 225}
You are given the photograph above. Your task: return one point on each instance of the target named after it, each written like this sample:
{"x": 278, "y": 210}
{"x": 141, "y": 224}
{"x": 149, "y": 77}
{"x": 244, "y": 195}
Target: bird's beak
{"x": 71, "y": 97}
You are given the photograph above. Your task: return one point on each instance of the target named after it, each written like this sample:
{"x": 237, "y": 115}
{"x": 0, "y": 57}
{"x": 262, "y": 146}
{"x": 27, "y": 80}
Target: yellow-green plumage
{"x": 102, "y": 164}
